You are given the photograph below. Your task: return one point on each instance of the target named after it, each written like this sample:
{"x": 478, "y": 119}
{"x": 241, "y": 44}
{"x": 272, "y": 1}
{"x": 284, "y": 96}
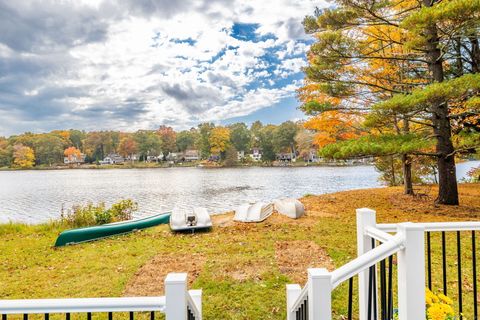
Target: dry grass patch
{"x": 149, "y": 279}
{"x": 294, "y": 257}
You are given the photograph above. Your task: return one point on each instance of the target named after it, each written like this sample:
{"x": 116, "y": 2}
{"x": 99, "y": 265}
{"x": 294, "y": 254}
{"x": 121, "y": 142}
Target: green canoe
{"x": 74, "y": 236}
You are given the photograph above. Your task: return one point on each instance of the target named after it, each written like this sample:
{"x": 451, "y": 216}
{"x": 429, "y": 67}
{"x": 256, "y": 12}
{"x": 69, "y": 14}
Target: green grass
{"x": 31, "y": 268}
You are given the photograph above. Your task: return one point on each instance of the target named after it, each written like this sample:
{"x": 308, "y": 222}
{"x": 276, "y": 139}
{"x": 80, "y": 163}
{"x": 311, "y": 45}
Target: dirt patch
{"x": 243, "y": 271}
{"x": 149, "y": 279}
{"x": 294, "y": 257}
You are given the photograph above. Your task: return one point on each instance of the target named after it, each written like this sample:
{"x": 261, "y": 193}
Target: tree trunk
{"x": 407, "y": 164}
{"x": 475, "y": 54}
{"x": 447, "y": 191}
{"x": 407, "y": 174}
{"x": 394, "y": 179}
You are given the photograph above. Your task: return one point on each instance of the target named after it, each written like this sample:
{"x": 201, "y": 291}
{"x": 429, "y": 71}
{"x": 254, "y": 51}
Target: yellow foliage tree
{"x": 23, "y": 156}
{"x": 219, "y": 140}
{"x": 333, "y": 126}
{"x": 72, "y": 153}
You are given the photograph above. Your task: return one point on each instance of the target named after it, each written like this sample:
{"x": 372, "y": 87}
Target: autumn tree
{"x": 304, "y": 139}
{"x": 128, "y": 147}
{"x": 219, "y": 140}
{"x": 23, "y": 156}
{"x": 427, "y": 37}
{"x": 168, "y": 138}
{"x": 72, "y": 153}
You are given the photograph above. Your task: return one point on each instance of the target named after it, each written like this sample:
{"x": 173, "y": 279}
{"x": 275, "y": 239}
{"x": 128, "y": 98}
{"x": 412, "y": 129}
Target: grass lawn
{"x": 242, "y": 268}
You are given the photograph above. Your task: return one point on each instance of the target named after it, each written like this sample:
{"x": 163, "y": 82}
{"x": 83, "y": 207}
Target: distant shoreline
{"x": 183, "y": 165}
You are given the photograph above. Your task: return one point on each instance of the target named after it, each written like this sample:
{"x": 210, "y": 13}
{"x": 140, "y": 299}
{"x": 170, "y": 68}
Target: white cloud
{"x": 138, "y": 64}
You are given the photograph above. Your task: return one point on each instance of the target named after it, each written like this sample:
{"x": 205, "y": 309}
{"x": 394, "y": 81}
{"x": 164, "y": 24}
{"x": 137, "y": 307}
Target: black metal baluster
{"x": 301, "y": 312}
{"x": 383, "y": 291}
{"x": 4, "y": 317}
{"x": 131, "y": 316}
{"x": 25, "y": 316}
{"x": 47, "y": 316}
{"x": 459, "y": 269}
{"x": 152, "y": 315}
{"x": 444, "y": 263}
{"x": 350, "y": 297}
{"x": 429, "y": 261}
{"x": 370, "y": 287}
{"x": 110, "y": 316}
{"x": 474, "y": 271}
{"x": 390, "y": 289}
{"x": 89, "y": 316}
{"x": 67, "y": 316}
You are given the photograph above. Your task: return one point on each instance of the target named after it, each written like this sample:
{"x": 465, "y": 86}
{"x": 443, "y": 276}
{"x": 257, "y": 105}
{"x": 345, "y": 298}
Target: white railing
{"x": 407, "y": 242}
{"x": 177, "y": 304}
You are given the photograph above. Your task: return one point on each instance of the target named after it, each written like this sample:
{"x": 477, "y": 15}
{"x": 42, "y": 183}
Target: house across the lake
{"x": 286, "y": 156}
{"x": 73, "y": 159}
{"x": 112, "y": 158}
{"x": 256, "y": 154}
{"x": 191, "y": 155}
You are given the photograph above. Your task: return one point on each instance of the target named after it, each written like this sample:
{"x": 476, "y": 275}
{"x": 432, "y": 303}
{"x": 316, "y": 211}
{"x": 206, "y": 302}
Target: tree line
{"x": 47, "y": 149}
{"x": 398, "y": 80}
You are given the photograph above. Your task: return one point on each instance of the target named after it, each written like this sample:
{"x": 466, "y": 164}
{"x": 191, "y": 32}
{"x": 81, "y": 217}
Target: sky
{"x": 138, "y": 64}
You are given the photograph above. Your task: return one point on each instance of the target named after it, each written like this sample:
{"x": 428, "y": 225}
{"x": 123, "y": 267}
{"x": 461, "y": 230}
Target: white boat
{"x": 289, "y": 207}
{"x": 255, "y": 212}
{"x": 197, "y": 218}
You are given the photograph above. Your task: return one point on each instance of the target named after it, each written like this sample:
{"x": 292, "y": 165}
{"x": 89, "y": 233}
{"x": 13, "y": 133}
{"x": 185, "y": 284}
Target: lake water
{"x": 37, "y": 196}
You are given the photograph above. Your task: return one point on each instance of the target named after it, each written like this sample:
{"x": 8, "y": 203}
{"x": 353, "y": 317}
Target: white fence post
{"x": 176, "y": 296}
{"x": 293, "y": 291}
{"x": 411, "y": 272}
{"x": 319, "y": 294}
{"x": 197, "y": 299}
{"x": 365, "y": 218}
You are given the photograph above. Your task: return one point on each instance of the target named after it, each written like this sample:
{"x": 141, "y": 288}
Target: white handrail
{"x": 301, "y": 297}
{"x": 436, "y": 226}
{"x": 367, "y": 260}
{"x": 81, "y": 305}
{"x": 192, "y": 305}
{"x": 378, "y": 234}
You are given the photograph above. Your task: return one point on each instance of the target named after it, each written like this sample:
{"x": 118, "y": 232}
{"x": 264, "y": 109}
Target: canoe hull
{"x": 80, "y": 235}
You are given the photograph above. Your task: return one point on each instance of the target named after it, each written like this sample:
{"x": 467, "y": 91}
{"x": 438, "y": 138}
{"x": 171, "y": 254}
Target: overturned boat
{"x": 289, "y": 207}
{"x": 195, "y": 219}
{"x": 255, "y": 212}
{"x": 80, "y": 235}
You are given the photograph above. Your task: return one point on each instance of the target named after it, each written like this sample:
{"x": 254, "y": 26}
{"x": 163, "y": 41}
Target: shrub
{"x": 474, "y": 174}
{"x": 90, "y": 214}
{"x": 123, "y": 210}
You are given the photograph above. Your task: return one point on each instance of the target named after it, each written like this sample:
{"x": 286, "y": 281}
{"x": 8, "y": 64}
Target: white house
{"x": 73, "y": 159}
{"x": 256, "y": 154}
{"x": 191, "y": 155}
{"x": 113, "y": 158}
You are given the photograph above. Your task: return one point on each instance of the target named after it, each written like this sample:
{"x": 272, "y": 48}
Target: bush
{"x": 123, "y": 210}
{"x": 474, "y": 174}
{"x": 91, "y": 215}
